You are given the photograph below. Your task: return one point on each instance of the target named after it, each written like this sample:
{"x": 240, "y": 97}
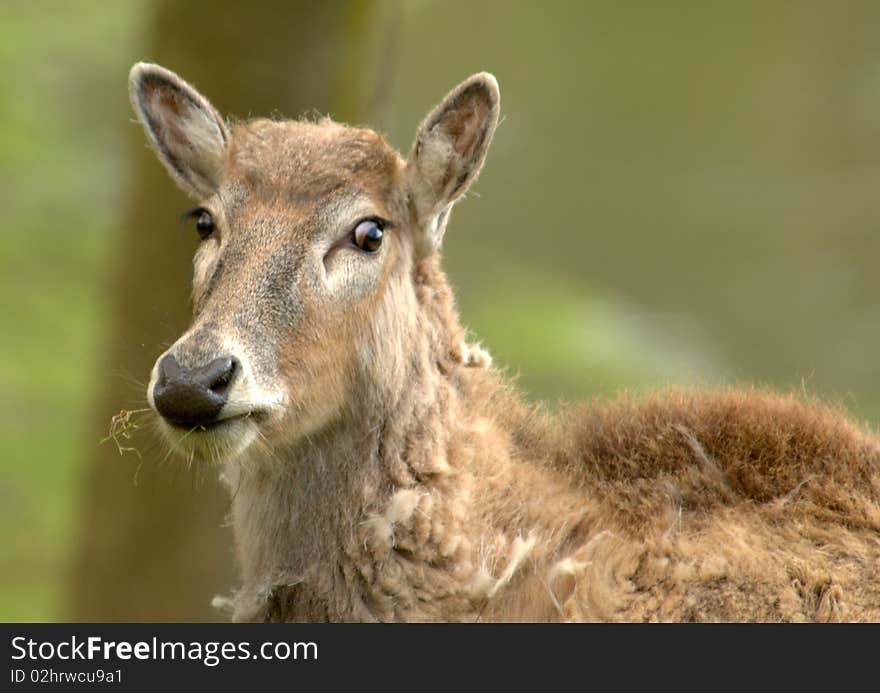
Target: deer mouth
{"x": 191, "y": 427}
{"x": 216, "y": 441}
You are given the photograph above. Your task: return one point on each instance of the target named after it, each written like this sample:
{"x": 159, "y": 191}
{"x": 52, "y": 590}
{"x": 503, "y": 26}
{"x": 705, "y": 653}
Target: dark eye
{"x": 205, "y": 224}
{"x": 204, "y": 221}
{"x": 368, "y": 235}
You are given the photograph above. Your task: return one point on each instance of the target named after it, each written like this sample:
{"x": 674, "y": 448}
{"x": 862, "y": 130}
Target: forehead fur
{"x": 305, "y": 160}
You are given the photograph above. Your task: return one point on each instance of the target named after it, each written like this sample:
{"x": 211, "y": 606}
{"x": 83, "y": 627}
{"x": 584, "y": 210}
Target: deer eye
{"x": 204, "y": 221}
{"x": 205, "y": 224}
{"x": 368, "y": 235}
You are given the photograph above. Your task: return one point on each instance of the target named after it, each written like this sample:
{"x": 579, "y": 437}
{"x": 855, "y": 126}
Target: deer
{"x": 381, "y": 468}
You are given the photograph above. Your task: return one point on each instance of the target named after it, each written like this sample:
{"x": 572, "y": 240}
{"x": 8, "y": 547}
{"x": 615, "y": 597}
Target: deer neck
{"x": 389, "y": 490}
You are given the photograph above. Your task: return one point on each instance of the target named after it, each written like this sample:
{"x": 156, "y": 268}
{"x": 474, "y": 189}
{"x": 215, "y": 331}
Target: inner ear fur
{"x": 186, "y": 131}
{"x": 451, "y": 146}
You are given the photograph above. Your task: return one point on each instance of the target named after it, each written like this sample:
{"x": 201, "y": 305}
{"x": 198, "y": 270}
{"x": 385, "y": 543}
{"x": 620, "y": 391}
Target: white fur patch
{"x": 246, "y": 395}
{"x": 402, "y": 506}
{"x": 484, "y": 584}
{"x": 481, "y": 426}
{"x": 439, "y": 465}
{"x": 519, "y": 550}
{"x": 474, "y": 355}
{"x": 400, "y": 509}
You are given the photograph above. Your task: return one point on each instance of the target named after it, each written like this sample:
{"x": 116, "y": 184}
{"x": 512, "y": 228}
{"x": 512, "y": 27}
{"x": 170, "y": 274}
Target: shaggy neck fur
{"x": 379, "y": 517}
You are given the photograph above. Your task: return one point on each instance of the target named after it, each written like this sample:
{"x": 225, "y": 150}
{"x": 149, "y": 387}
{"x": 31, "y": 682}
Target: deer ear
{"x": 186, "y": 131}
{"x": 450, "y": 148}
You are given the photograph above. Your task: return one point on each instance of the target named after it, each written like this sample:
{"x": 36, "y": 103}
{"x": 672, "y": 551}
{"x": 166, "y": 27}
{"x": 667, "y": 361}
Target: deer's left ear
{"x": 449, "y": 150}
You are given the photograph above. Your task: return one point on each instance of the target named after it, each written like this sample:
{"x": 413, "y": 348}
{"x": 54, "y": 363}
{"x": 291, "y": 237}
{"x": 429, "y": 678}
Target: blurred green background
{"x": 679, "y": 192}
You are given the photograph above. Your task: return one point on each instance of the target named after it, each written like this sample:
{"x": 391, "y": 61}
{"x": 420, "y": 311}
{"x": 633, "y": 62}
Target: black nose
{"x": 193, "y": 397}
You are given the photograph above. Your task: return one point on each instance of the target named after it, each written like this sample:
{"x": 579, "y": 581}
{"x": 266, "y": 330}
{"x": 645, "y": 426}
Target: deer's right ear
{"x": 188, "y": 134}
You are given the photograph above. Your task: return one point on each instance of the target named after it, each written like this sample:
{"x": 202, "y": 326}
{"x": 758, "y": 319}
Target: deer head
{"x": 305, "y": 300}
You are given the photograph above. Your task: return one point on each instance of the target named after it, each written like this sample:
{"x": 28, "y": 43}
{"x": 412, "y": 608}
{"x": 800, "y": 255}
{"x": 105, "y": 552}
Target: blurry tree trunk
{"x": 157, "y": 548}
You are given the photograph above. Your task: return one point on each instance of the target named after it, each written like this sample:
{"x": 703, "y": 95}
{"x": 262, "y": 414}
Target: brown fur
{"x": 404, "y": 479}
{"x": 687, "y": 505}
